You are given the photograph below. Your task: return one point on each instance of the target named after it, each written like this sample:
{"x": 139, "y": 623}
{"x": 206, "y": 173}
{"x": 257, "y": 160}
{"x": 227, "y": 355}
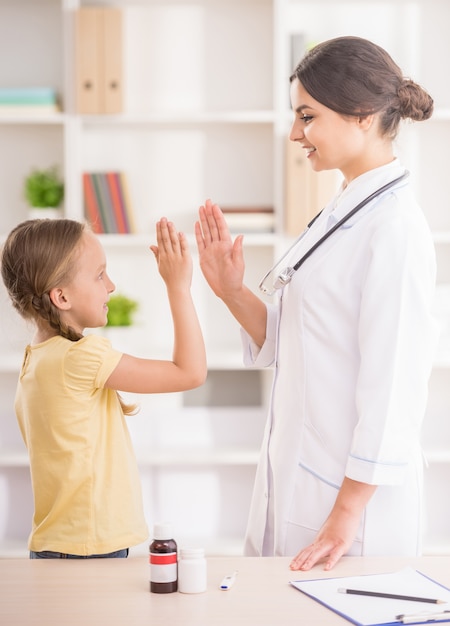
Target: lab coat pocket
{"x": 313, "y": 498}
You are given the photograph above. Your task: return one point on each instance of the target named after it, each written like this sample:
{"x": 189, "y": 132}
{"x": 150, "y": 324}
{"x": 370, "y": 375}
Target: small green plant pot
{"x": 120, "y": 310}
{"x": 44, "y": 188}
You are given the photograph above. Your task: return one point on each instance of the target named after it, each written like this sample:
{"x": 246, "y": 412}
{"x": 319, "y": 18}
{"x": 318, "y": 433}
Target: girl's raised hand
{"x": 172, "y": 255}
{"x": 187, "y": 368}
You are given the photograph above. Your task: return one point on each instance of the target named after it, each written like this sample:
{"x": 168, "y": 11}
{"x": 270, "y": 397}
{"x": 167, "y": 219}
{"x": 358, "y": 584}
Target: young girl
{"x": 87, "y": 498}
{"x": 351, "y": 336}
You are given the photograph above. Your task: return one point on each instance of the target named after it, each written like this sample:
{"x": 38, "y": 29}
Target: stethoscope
{"x": 285, "y": 275}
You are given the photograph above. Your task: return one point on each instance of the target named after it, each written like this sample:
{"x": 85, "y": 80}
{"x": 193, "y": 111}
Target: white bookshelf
{"x": 206, "y": 115}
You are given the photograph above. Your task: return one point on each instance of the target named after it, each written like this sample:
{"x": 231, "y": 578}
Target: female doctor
{"x": 351, "y": 336}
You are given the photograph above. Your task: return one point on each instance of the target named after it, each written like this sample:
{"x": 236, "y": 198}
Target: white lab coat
{"x": 352, "y": 341}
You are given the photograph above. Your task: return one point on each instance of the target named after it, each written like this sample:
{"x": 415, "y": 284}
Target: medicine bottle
{"x": 192, "y": 570}
{"x": 163, "y": 560}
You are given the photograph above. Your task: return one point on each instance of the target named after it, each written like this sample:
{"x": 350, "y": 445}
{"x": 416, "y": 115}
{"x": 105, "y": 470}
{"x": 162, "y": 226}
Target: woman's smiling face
{"x": 331, "y": 140}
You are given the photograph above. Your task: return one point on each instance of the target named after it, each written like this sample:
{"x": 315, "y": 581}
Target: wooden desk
{"x": 109, "y": 592}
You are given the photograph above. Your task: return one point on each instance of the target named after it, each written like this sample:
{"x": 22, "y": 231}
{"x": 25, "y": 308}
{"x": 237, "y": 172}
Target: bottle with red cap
{"x": 163, "y": 560}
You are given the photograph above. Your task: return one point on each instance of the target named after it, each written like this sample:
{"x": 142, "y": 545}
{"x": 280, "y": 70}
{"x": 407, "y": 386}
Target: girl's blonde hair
{"x": 37, "y": 256}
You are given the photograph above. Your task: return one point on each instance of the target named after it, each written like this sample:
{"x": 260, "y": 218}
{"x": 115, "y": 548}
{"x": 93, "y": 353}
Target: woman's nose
{"x": 296, "y": 131}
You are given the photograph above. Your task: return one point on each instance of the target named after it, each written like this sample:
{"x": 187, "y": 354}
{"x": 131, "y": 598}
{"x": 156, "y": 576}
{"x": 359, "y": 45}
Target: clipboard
{"x": 376, "y": 611}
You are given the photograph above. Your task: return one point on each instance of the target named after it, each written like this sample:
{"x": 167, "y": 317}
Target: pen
{"x": 422, "y": 617}
{"x": 393, "y": 596}
{"x": 228, "y": 581}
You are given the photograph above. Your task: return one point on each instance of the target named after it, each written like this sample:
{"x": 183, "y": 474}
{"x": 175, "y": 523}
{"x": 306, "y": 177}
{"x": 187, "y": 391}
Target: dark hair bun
{"x": 415, "y": 103}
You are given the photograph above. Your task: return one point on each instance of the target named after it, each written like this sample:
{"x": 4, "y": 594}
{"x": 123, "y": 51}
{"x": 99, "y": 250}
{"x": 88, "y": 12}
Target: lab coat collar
{"x": 361, "y": 187}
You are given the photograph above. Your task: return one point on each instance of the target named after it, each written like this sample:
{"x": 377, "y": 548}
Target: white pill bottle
{"x": 192, "y": 570}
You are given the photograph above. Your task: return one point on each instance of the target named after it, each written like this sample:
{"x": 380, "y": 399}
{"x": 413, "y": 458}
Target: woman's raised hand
{"x": 221, "y": 259}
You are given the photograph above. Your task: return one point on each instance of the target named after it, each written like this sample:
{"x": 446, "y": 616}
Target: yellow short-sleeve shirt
{"x": 86, "y": 486}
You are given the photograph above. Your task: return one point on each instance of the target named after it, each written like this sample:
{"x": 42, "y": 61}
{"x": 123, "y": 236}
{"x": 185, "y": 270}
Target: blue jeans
{"x": 48, "y": 554}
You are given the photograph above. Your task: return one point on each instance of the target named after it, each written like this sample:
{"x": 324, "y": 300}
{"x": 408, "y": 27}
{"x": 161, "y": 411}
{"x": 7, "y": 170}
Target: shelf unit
{"x": 206, "y": 115}
{"x": 182, "y": 129}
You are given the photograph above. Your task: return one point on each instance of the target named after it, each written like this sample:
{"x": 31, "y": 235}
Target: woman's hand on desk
{"x": 339, "y": 530}
{"x": 332, "y": 541}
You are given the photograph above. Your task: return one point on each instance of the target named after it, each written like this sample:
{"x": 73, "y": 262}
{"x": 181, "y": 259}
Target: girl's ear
{"x": 58, "y": 298}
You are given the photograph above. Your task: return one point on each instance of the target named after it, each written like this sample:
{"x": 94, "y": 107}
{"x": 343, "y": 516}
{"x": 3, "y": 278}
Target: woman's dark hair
{"x": 356, "y": 77}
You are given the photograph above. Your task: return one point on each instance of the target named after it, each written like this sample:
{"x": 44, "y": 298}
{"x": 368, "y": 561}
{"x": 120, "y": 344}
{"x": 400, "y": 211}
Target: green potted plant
{"x": 120, "y": 310}
{"x": 44, "y": 192}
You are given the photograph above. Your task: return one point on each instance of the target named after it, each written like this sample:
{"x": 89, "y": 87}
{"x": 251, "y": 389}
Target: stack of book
{"x": 107, "y": 204}
{"x": 28, "y": 101}
{"x": 250, "y": 219}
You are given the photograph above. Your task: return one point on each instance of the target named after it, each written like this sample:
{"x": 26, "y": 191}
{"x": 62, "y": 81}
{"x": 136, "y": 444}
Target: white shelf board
{"x": 175, "y": 457}
{"x": 33, "y": 119}
{"x": 13, "y": 458}
{"x": 10, "y": 363}
{"x": 225, "y": 360}
{"x": 441, "y": 362}
{"x": 232, "y": 546}
{"x": 177, "y": 119}
{"x": 442, "y": 236}
{"x": 437, "y": 456}
{"x": 162, "y": 458}
{"x": 225, "y": 546}
{"x": 13, "y": 549}
{"x": 196, "y": 457}
{"x": 441, "y": 115}
{"x": 436, "y": 547}
{"x": 112, "y": 241}
{"x": 220, "y": 360}
{"x": 217, "y": 360}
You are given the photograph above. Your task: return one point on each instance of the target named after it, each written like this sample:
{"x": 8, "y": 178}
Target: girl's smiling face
{"x": 332, "y": 140}
{"x": 83, "y": 301}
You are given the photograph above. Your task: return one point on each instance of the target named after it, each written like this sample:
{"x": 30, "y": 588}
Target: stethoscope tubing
{"x": 285, "y": 277}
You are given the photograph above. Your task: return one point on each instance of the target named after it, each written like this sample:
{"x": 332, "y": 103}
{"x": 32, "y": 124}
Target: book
{"x": 104, "y": 209}
{"x": 28, "y": 109}
{"x": 91, "y": 208}
{"x": 16, "y": 96}
{"x": 124, "y": 191}
{"x": 107, "y": 204}
{"x": 250, "y": 219}
{"x": 28, "y": 101}
{"x": 117, "y": 203}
